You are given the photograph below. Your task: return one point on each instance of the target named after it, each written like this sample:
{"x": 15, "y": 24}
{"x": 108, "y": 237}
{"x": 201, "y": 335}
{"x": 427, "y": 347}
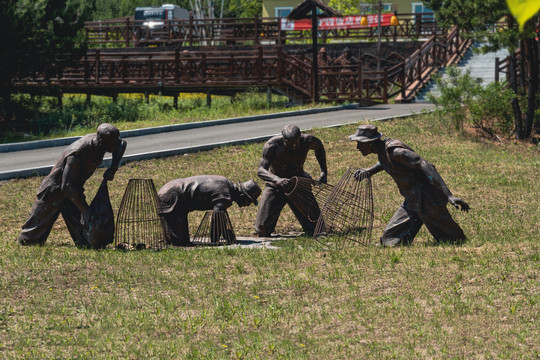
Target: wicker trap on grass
{"x": 348, "y": 212}
{"x": 215, "y": 229}
{"x": 139, "y": 225}
{"x": 307, "y": 195}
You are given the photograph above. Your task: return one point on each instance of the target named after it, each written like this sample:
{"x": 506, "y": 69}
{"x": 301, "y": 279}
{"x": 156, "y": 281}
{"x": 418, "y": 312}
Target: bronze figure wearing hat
{"x": 346, "y": 59}
{"x": 202, "y": 192}
{"x": 284, "y": 157}
{"x": 424, "y": 190}
{"x": 62, "y": 191}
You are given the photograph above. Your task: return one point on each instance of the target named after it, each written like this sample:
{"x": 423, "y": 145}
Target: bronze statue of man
{"x": 62, "y": 191}
{"x": 424, "y": 190}
{"x": 202, "y": 192}
{"x": 284, "y": 157}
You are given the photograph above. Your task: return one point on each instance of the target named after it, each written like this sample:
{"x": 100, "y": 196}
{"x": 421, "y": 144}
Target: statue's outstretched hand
{"x": 361, "y": 174}
{"x": 457, "y": 203}
{"x": 282, "y": 183}
{"x": 323, "y": 179}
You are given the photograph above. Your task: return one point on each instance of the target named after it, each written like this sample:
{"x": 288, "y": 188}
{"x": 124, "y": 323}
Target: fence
{"x": 241, "y": 31}
{"x": 223, "y": 71}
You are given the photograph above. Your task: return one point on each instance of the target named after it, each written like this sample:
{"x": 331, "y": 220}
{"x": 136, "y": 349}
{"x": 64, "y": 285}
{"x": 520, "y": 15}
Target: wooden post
{"x": 176, "y": 64}
{"x": 150, "y": 68}
{"x": 445, "y": 52}
{"x": 360, "y": 81}
{"x": 60, "y": 102}
{"x": 419, "y": 65}
{"x": 279, "y": 63}
{"x": 260, "y": 64}
{"x": 124, "y": 68}
{"x": 190, "y": 33}
{"x": 269, "y": 95}
{"x": 385, "y": 85}
{"x": 256, "y": 28}
{"x": 115, "y": 98}
{"x": 88, "y": 99}
{"x": 403, "y": 86}
{"x": 208, "y": 98}
{"x": 175, "y": 102}
{"x": 203, "y": 66}
{"x": 97, "y": 66}
{"x": 126, "y": 33}
{"x": 86, "y": 67}
{"x": 315, "y": 72}
{"x": 279, "y": 33}
{"x": 147, "y": 97}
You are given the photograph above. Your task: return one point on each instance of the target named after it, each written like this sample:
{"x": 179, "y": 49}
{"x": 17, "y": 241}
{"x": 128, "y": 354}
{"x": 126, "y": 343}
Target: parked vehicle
{"x": 155, "y": 24}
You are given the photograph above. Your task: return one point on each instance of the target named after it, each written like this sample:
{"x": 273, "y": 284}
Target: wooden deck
{"x": 265, "y": 65}
{"x": 244, "y": 31}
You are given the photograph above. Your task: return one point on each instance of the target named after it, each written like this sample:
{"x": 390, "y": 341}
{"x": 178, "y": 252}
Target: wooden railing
{"x": 166, "y": 68}
{"x": 240, "y": 31}
{"x": 435, "y": 53}
{"x": 228, "y": 72}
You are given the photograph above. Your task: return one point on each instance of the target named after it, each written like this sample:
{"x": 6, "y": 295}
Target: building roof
{"x": 302, "y": 10}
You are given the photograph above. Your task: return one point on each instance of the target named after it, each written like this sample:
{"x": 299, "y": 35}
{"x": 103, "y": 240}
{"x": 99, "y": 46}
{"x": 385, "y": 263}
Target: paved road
{"x": 39, "y": 161}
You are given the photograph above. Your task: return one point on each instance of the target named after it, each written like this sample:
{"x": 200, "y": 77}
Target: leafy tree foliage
{"x": 346, "y": 7}
{"x": 477, "y": 18}
{"x": 39, "y": 36}
{"x": 242, "y": 8}
{"x": 110, "y": 9}
{"x": 472, "y": 15}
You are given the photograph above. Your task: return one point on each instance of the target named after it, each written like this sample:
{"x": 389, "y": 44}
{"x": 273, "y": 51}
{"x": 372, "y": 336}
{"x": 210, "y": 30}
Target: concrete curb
{"x": 38, "y": 144}
{"x": 44, "y": 170}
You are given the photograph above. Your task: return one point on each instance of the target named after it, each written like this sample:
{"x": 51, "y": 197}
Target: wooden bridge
{"x": 202, "y": 59}
{"x": 126, "y": 32}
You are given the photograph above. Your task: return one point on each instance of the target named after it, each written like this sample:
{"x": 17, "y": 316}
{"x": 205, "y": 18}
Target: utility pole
{"x": 314, "y": 30}
{"x": 379, "y": 35}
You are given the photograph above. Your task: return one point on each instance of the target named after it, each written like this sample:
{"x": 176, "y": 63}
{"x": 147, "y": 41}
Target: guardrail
{"x": 240, "y": 31}
{"x": 227, "y": 72}
{"x": 435, "y": 53}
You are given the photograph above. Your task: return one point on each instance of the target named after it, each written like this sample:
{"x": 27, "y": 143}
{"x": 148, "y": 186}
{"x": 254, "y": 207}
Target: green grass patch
{"x": 303, "y": 301}
{"x": 45, "y": 120}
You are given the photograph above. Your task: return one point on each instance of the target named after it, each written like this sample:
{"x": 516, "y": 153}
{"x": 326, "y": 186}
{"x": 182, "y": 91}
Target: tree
{"x": 110, "y": 9}
{"x": 242, "y": 8}
{"x": 40, "y": 36}
{"x": 477, "y": 18}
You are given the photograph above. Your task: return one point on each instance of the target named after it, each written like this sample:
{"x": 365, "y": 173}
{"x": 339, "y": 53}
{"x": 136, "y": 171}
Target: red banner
{"x": 346, "y": 22}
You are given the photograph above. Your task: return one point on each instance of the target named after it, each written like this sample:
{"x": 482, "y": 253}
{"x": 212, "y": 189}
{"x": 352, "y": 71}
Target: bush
{"x": 41, "y": 115}
{"x": 465, "y": 100}
{"x": 491, "y": 110}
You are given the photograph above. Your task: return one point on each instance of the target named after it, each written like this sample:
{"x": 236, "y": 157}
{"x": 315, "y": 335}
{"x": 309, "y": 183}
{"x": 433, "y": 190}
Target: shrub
{"x": 456, "y": 90}
{"x": 465, "y": 100}
{"x": 491, "y": 111}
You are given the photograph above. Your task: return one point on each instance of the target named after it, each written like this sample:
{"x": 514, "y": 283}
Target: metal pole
{"x": 379, "y": 36}
{"x": 314, "y": 28}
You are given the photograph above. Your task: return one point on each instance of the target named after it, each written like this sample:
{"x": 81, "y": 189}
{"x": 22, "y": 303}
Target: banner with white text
{"x": 346, "y": 22}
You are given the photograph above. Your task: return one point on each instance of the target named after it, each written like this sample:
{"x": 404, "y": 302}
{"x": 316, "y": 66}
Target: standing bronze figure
{"x": 424, "y": 190}
{"x": 284, "y": 157}
{"x": 202, "y": 192}
{"x": 62, "y": 191}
